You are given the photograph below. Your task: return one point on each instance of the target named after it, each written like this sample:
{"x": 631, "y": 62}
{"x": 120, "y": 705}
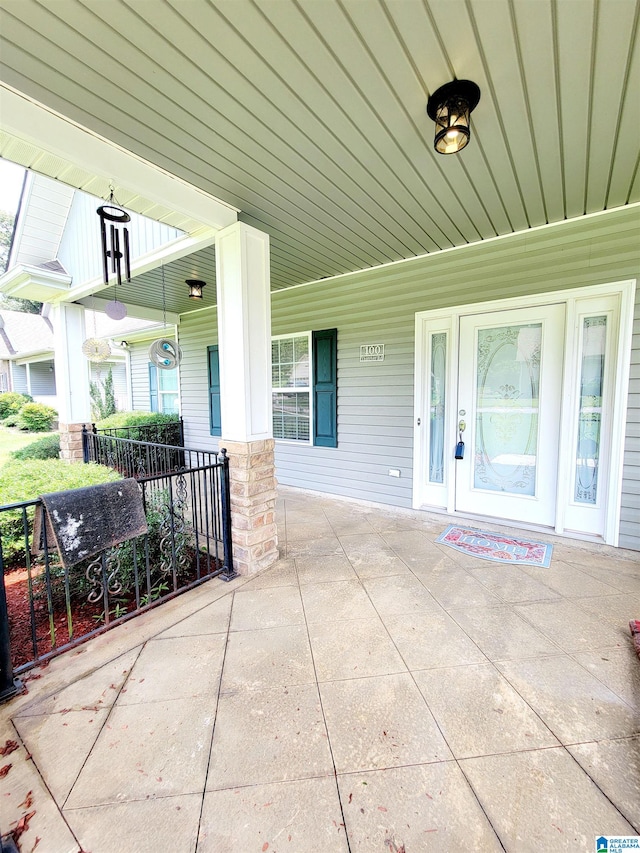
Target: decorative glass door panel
{"x": 437, "y": 401}
{"x": 510, "y": 380}
{"x": 507, "y": 404}
{"x": 594, "y": 338}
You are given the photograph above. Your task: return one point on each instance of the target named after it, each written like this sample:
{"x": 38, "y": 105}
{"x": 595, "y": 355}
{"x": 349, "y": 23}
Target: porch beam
{"x": 37, "y": 125}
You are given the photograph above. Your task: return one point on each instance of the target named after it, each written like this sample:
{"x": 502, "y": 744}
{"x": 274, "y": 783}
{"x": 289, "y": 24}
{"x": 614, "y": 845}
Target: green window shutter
{"x": 325, "y": 388}
{"x": 153, "y": 387}
{"x": 215, "y": 413}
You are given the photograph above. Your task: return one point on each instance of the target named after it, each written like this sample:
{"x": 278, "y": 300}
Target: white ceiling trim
{"x": 40, "y": 126}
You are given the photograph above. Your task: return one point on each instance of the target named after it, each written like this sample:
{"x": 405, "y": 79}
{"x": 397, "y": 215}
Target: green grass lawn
{"x": 15, "y": 439}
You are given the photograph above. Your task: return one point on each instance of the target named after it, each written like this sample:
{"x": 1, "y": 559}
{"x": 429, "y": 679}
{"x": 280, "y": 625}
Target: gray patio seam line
{"x": 562, "y": 741}
{"x": 572, "y": 655}
{"x": 604, "y": 794}
{"x": 410, "y": 672}
{"x": 492, "y": 664}
{"x": 215, "y": 719}
{"x": 435, "y": 720}
{"x": 476, "y": 795}
{"x": 238, "y": 584}
{"x": 45, "y": 786}
{"x": 324, "y": 717}
{"x": 102, "y": 727}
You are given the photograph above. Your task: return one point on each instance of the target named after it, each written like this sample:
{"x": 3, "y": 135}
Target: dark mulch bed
{"x": 21, "y": 640}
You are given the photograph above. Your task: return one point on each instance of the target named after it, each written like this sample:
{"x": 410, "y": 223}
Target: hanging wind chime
{"x": 114, "y": 237}
{"x": 163, "y": 352}
{"x": 114, "y": 240}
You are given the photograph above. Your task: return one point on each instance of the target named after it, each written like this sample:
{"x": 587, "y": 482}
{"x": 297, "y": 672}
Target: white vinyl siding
{"x": 19, "y": 378}
{"x": 375, "y": 399}
{"x": 196, "y": 332}
{"x": 42, "y": 379}
{"x": 139, "y": 353}
{"x": 630, "y": 511}
{"x": 80, "y": 252}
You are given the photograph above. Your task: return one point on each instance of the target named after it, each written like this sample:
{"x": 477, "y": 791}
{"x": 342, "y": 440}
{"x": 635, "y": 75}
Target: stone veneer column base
{"x": 71, "y": 442}
{"x": 253, "y": 504}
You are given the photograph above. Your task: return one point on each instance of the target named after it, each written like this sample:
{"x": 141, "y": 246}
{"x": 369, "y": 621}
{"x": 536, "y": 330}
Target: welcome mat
{"x": 496, "y": 547}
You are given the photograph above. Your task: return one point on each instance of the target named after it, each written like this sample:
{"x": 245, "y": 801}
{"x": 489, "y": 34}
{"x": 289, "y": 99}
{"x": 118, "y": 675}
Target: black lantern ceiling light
{"x": 115, "y": 249}
{"x": 450, "y": 107}
{"x": 195, "y": 287}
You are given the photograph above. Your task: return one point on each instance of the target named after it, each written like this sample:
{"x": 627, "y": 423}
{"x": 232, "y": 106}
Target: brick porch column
{"x": 253, "y": 505}
{"x": 244, "y": 339}
{"x": 72, "y": 379}
{"x": 70, "y": 442}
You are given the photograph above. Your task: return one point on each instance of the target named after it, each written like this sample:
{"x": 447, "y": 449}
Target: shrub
{"x": 11, "y": 402}
{"x": 25, "y": 480}
{"x": 44, "y": 448}
{"x": 103, "y": 398}
{"x": 36, "y": 417}
{"x": 11, "y": 420}
{"x": 126, "y": 419}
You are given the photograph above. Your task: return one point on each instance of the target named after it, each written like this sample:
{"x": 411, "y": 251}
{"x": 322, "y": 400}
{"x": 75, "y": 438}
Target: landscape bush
{"x": 135, "y": 418}
{"x": 36, "y": 417}
{"x": 47, "y": 447}
{"x": 11, "y": 402}
{"x": 11, "y": 420}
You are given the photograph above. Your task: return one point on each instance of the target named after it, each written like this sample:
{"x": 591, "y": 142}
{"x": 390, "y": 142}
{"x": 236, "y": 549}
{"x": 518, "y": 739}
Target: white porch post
{"x": 72, "y": 379}
{"x": 244, "y": 335}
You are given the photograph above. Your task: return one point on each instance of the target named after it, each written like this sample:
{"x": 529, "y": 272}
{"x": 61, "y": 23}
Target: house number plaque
{"x": 372, "y": 352}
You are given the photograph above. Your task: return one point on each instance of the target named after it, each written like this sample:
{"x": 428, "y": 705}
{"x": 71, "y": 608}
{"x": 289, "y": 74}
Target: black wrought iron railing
{"x": 46, "y": 608}
{"x": 158, "y": 433}
{"x": 136, "y": 458}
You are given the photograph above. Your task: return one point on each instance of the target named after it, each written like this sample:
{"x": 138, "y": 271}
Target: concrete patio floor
{"x": 374, "y": 691}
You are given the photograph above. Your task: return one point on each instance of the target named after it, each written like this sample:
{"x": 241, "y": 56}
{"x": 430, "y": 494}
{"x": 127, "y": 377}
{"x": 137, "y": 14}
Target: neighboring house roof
{"x": 25, "y": 334}
{"x": 22, "y": 332}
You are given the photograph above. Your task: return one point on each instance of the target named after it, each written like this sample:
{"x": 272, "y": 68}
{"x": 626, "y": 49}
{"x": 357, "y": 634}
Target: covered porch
{"x": 374, "y": 691}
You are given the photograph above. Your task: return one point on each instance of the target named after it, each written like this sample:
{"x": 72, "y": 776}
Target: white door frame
{"x": 442, "y": 498}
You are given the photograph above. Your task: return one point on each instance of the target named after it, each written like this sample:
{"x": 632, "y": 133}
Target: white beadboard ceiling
{"x": 309, "y": 115}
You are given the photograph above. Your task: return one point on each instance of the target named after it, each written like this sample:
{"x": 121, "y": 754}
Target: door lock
{"x": 459, "y": 454}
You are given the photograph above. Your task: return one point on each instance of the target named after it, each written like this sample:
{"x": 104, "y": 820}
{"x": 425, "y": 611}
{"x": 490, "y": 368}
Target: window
{"x": 215, "y": 414}
{"x": 304, "y": 387}
{"x": 163, "y": 390}
{"x": 290, "y": 382}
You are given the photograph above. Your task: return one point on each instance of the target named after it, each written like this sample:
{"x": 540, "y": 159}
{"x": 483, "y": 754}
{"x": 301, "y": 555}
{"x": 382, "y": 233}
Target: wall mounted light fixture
{"x": 195, "y": 287}
{"x": 450, "y": 107}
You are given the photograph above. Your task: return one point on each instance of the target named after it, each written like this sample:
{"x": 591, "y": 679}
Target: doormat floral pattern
{"x": 496, "y": 547}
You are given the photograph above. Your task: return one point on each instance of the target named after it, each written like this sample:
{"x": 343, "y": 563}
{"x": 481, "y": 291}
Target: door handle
{"x": 459, "y": 454}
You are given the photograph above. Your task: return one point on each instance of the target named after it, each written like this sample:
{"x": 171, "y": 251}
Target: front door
{"x": 508, "y": 406}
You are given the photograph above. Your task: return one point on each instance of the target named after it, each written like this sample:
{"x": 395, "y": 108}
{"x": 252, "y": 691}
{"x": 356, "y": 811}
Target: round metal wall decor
{"x": 165, "y": 354}
{"x": 96, "y": 349}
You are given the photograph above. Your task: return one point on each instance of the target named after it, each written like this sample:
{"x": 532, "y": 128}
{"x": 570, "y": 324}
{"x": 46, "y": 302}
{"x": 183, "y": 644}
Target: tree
{"x": 11, "y": 303}
{"x": 6, "y": 233}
